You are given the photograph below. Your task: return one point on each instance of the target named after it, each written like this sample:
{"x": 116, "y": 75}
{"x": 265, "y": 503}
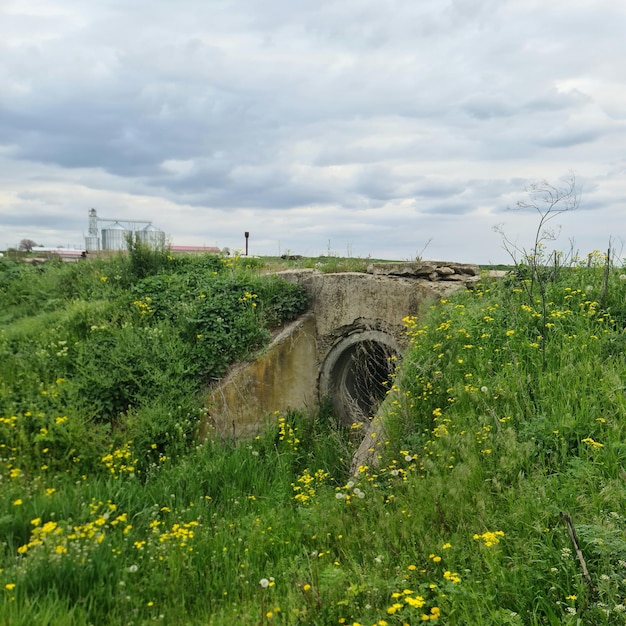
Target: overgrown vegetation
{"x": 112, "y": 513}
{"x": 99, "y": 353}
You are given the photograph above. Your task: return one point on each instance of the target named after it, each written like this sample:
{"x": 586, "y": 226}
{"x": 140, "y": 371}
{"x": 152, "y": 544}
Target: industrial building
{"x": 113, "y": 234}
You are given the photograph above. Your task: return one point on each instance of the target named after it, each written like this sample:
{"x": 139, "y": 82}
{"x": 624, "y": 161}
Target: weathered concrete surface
{"x": 374, "y": 436}
{"x": 278, "y": 379}
{"x": 383, "y": 296}
{"x": 345, "y": 308}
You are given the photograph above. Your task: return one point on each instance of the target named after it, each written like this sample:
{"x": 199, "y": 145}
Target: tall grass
{"x": 461, "y": 520}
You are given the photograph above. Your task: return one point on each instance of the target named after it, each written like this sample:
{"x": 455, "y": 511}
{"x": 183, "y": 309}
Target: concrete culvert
{"x": 354, "y": 373}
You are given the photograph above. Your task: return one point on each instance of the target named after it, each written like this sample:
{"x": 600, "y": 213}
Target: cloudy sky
{"x": 388, "y": 128}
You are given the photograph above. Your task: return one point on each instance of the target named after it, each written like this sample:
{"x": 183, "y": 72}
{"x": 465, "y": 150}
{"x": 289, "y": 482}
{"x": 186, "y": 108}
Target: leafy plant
{"x": 533, "y": 268}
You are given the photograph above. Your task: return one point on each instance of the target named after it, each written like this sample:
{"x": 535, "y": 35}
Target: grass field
{"x": 498, "y": 495}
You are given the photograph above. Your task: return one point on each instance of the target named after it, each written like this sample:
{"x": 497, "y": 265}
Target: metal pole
{"x": 247, "y": 234}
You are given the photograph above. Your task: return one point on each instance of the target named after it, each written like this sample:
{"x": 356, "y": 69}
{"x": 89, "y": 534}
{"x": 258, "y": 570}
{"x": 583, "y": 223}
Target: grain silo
{"x": 92, "y": 241}
{"x": 115, "y": 237}
{"x": 152, "y": 237}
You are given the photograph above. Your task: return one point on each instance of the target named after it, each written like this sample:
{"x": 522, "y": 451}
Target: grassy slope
{"x": 459, "y": 524}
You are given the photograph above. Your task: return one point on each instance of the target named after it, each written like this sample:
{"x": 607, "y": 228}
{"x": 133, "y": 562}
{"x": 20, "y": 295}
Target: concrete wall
{"x": 282, "y": 377}
{"x": 287, "y": 374}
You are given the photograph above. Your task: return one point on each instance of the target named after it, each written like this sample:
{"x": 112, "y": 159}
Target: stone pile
{"x": 427, "y": 270}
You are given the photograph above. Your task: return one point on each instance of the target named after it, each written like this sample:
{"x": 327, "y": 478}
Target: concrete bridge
{"x": 342, "y": 349}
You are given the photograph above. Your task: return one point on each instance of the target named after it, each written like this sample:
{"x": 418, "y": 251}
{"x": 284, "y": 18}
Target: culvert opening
{"x": 355, "y": 371}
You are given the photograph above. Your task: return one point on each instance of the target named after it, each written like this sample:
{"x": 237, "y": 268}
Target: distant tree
{"x": 27, "y": 245}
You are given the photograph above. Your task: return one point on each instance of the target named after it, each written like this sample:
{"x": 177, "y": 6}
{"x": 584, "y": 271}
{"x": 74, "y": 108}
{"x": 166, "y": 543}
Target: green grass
{"x": 112, "y": 513}
{"x": 325, "y": 264}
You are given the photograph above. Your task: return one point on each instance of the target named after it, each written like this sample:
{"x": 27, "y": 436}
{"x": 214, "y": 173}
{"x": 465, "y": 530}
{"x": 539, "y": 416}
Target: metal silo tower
{"x": 92, "y": 240}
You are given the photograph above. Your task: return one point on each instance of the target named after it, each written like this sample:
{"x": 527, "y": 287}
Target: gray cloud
{"x": 343, "y": 116}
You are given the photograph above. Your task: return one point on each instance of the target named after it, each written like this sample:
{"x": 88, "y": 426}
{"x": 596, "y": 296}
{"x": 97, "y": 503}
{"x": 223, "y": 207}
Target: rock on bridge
{"x": 342, "y": 349}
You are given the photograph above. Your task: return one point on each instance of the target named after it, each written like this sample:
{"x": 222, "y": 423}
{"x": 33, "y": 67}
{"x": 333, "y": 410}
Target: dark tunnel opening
{"x": 356, "y": 372}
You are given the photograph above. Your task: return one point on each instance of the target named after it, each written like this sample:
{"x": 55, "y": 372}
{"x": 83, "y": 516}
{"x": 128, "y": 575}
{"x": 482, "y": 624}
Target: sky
{"x": 384, "y": 128}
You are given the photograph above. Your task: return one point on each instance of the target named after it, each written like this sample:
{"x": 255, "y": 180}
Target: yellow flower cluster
{"x": 40, "y": 534}
{"x": 407, "y": 598}
{"x": 453, "y": 577}
{"x": 287, "y": 433}
{"x": 181, "y": 533}
{"x": 120, "y": 461}
{"x": 412, "y": 329}
{"x": 52, "y": 390}
{"x": 592, "y": 444}
{"x": 490, "y": 538}
{"x": 229, "y": 262}
{"x": 143, "y": 305}
{"x": 304, "y": 487}
{"x": 403, "y": 602}
{"x": 61, "y": 540}
{"x": 249, "y": 297}
{"x": 440, "y": 431}
{"x": 9, "y": 421}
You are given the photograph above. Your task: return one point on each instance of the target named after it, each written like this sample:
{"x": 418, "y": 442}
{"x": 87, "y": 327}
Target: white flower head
{"x": 264, "y": 582}
{"x": 133, "y": 568}
{"x": 484, "y": 389}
